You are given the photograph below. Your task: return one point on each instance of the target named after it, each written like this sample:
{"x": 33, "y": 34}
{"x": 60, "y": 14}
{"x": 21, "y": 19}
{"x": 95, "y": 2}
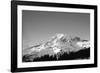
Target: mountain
{"x": 55, "y": 47}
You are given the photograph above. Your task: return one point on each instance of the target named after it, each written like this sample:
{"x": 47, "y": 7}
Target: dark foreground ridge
{"x": 82, "y": 54}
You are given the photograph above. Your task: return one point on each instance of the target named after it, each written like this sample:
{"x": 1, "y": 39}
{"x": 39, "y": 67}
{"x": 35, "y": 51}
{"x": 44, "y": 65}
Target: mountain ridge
{"x": 58, "y": 44}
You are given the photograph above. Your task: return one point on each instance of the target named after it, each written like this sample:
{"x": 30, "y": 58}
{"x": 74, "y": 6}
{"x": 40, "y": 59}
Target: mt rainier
{"x": 58, "y": 45}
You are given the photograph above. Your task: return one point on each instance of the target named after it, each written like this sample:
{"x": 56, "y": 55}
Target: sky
{"x": 42, "y": 25}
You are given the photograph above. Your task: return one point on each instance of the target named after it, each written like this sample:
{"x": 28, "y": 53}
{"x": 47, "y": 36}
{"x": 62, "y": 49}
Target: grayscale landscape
{"x": 53, "y": 36}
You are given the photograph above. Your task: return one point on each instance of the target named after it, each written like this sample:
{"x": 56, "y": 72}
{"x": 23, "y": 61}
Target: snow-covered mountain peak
{"x": 60, "y": 43}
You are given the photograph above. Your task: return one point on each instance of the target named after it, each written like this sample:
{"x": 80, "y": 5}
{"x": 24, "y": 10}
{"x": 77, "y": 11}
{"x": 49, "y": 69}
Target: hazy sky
{"x": 41, "y": 25}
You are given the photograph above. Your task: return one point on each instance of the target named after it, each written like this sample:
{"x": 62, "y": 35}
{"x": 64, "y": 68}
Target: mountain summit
{"x": 57, "y": 45}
